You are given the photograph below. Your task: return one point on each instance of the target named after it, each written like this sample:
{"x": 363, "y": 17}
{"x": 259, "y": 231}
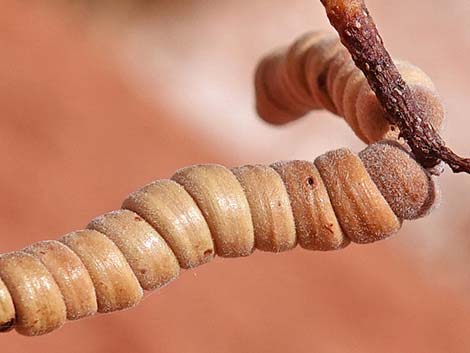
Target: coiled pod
{"x": 209, "y": 210}
{"x": 318, "y": 72}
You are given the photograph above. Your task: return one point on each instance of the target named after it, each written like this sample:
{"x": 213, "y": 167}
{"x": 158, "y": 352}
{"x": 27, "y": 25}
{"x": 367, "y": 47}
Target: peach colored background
{"x": 96, "y": 100}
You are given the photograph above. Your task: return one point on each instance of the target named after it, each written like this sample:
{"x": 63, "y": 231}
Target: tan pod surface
{"x": 7, "y": 309}
{"x": 149, "y": 256}
{"x": 168, "y": 208}
{"x": 408, "y": 188}
{"x": 278, "y": 87}
{"x": 362, "y": 211}
{"x": 350, "y": 93}
{"x": 266, "y": 106}
{"x": 222, "y": 200}
{"x": 316, "y": 224}
{"x": 70, "y": 275}
{"x": 316, "y": 69}
{"x": 270, "y": 207}
{"x": 339, "y": 70}
{"x": 295, "y": 62}
{"x": 39, "y": 306}
{"x": 115, "y": 284}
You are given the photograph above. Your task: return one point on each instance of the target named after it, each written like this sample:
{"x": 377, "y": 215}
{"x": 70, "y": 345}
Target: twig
{"x": 359, "y": 34}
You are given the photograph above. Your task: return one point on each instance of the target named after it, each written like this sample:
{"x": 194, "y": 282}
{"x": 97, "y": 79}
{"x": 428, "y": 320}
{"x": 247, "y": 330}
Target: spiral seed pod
{"x": 224, "y": 205}
{"x": 315, "y": 220}
{"x": 116, "y": 286}
{"x": 319, "y": 58}
{"x": 168, "y": 208}
{"x": 323, "y": 74}
{"x": 295, "y": 63}
{"x": 400, "y": 183}
{"x": 7, "y": 309}
{"x": 365, "y": 214}
{"x": 277, "y": 85}
{"x": 206, "y": 210}
{"x": 266, "y": 106}
{"x": 339, "y": 69}
{"x": 70, "y": 275}
{"x": 149, "y": 256}
{"x": 271, "y": 211}
{"x": 38, "y": 300}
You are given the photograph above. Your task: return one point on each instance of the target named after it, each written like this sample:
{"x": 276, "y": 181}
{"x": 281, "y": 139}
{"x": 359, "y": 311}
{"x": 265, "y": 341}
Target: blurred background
{"x": 98, "y": 97}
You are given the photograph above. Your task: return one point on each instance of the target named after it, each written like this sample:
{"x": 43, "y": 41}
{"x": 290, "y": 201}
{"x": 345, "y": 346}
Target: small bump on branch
{"x": 359, "y": 34}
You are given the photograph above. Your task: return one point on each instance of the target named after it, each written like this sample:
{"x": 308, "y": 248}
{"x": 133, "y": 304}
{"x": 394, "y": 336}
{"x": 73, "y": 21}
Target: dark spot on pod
{"x": 7, "y": 326}
{"x": 311, "y": 181}
{"x": 321, "y": 80}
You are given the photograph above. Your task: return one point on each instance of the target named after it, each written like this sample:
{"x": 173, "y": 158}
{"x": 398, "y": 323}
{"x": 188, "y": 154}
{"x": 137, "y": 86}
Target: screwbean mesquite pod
{"x": 207, "y": 210}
